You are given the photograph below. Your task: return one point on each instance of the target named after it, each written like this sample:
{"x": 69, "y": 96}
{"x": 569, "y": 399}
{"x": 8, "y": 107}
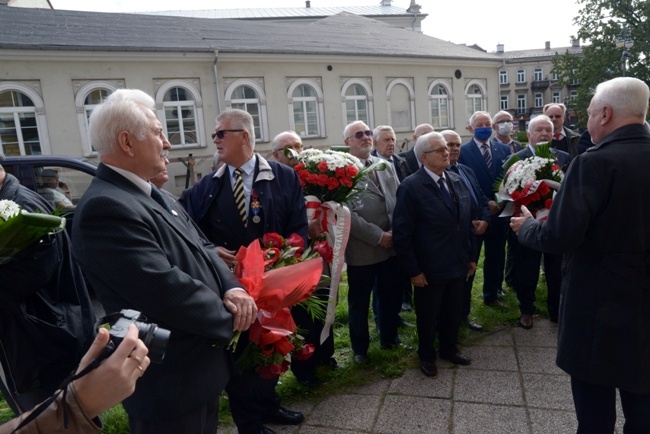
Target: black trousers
{"x": 494, "y": 242}
{"x": 596, "y": 409}
{"x": 438, "y": 309}
{"x": 203, "y": 420}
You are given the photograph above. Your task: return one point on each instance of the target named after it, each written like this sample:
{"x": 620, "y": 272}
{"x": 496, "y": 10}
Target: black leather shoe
{"x": 360, "y": 359}
{"x": 429, "y": 369}
{"x": 495, "y": 303}
{"x": 457, "y": 358}
{"x": 526, "y": 321}
{"x": 502, "y": 292}
{"x": 284, "y": 416}
{"x": 473, "y": 326}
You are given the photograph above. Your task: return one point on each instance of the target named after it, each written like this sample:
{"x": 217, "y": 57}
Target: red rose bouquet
{"x": 278, "y": 275}
{"x": 531, "y": 182}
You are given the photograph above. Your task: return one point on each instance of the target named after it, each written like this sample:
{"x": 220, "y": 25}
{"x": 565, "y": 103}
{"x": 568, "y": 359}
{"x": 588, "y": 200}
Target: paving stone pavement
{"x": 512, "y": 386}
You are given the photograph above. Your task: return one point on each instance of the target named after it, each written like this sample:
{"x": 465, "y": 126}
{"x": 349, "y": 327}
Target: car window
{"x": 61, "y": 186}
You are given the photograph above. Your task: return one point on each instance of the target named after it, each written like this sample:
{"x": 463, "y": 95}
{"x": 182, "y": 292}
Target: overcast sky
{"x": 519, "y": 25}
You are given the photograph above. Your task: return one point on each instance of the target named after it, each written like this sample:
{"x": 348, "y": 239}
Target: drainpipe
{"x": 216, "y": 80}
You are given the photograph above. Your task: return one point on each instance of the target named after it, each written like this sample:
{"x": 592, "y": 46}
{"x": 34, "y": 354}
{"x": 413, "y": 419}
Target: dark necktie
{"x": 485, "y": 149}
{"x": 158, "y": 197}
{"x": 445, "y": 194}
{"x": 238, "y": 192}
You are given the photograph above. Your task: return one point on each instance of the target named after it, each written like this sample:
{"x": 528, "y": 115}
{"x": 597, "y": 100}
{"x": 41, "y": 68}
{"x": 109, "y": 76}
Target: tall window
{"x": 401, "y": 105}
{"x": 539, "y": 74}
{"x": 18, "y": 124}
{"x": 557, "y": 98}
{"x": 86, "y": 99}
{"x": 356, "y": 95}
{"x": 521, "y": 104}
{"x": 539, "y": 100}
{"x": 473, "y": 99}
{"x": 305, "y": 111}
{"x": 521, "y": 76}
{"x": 248, "y": 95}
{"x": 503, "y": 76}
{"x": 92, "y": 100}
{"x": 504, "y": 102}
{"x": 439, "y": 106}
{"x": 573, "y": 96}
{"x": 180, "y": 116}
{"x": 574, "y": 77}
{"x": 554, "y": 76}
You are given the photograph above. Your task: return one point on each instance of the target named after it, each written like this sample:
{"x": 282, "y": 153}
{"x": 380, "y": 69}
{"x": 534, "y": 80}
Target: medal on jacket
{"x": 255, "y": 207}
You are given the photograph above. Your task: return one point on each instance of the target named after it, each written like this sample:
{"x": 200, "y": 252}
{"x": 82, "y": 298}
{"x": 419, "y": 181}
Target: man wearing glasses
{"x": 564, "y": 139}
{"x": 434, "y": 241}
{"x": 369, "y": 253}
{"x": 241, "y": 201}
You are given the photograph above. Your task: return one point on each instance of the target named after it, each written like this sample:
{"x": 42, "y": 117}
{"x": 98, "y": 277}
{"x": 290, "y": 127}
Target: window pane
{"x": 29, "y": 131}
{"x": 304, "y": 91}
{"x": 97, "y": 96}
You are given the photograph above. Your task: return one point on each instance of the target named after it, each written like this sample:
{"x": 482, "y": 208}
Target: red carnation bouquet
{"x": 531, "y": 182}
{"x": 278, "y": 274}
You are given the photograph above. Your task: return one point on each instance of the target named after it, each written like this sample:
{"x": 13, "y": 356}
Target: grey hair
{"x": 243, "y": 120}
{"x": 499, "y": 114}
{"x": 377, "y": 131}
{"x": 628, "y": 96}
{"x": 349, "y": 126}
{"x": 537, "y": 119}
{"x": 471, "y": 118}
{"x": 277, "y": 144}
{"x": 124, "y": 110}
{"x": 446, "y": 133}
{"x": 554, "y": 104}
{"x": 423, "y": 143}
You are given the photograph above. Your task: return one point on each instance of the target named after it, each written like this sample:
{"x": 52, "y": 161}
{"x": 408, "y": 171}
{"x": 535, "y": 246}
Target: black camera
{"x": 154, "y": 337}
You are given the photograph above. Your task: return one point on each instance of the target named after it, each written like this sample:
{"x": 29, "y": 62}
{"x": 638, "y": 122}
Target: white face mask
{"x": 505, "y": 128}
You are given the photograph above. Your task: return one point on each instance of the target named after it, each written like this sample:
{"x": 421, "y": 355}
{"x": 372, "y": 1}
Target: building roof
{"x": 538, "y": 53}
{"x": 287, "y": 13}
{"x": 341, "y": 34}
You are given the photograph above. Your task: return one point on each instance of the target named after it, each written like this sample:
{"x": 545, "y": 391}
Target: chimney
{"x": 547, "y": 45}
{"x": 500, "y": 48}
{"x": 413, "y": 8}
{"x": 575, "y": 42}
{"x": 307, "y": 4}
{"x": 385, "y": 2}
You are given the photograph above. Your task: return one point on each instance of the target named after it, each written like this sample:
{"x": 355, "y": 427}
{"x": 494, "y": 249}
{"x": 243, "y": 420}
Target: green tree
{"x": 600, "y": 24}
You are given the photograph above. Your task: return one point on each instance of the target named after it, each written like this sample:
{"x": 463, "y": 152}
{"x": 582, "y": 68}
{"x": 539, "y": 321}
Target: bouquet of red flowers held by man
{"x": 278, "y": 275}
{"x": 531, "y": 182}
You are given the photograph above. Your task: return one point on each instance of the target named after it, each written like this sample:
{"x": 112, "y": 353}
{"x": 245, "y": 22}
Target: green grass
{"x": 383, "y": 363}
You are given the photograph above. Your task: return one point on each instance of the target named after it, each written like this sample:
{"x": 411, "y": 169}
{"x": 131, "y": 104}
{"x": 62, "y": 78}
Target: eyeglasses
{"x": 360, "y": 134}
{"x": 555, "y": 116}
{"x": 443, "y": 150}
{"x": 222, "y": 133}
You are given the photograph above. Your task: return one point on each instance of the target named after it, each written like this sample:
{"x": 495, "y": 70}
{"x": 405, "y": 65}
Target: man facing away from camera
{"x": 140, "y": 251}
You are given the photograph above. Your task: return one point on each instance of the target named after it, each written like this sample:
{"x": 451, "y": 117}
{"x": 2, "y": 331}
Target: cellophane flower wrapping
{"x": 278, "y": 275}
{"x": 531, "y": 182}
{"x": 20, "y": 230}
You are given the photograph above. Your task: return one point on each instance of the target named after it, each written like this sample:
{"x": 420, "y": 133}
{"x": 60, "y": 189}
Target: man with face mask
{"x": 486, "y": 160}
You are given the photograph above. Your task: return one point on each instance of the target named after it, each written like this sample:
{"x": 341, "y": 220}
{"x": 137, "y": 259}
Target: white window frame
{"x": 369, "y": 100}
{"x": 473, "y": 98}
{"x": 538, "y": 73}
{"x": 521, "y": 76}
{"x": 83, "y": 111}
{"x": 554, "y": 76}
{"x": 503, "y": 76}
{"x": 409, "y": 87}
{"x": 261, "y": 101}
{"x": 201, "y": 140}
{"x": 504, "y": 102}
{"x": 520, "y": 98}
{"x": 557, "y": 97}
{"x": 320, "y": 115}
{"x": 39, "y": 112}
{"x": 435, "y": 98}
{"x": 539, "y": 99}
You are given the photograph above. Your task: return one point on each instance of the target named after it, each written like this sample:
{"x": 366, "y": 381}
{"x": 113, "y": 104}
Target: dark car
{"x": 60, "y": 180}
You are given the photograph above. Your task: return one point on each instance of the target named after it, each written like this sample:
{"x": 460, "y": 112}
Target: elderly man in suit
{"x": 383, "y": 139}
{"x": 564, "y": 138}
{"x": 243, "y": 200}
{"x": 486, "y": 160}
{"x": 409, "y": 155}
{"x": 526, "y": 261}
{"x": 434, "y": 240}
{"x": 480, "y": 212}
{"x": 369, "y": 254}
{"x": 599, "y": 220}
{"x": 140, "y": 251}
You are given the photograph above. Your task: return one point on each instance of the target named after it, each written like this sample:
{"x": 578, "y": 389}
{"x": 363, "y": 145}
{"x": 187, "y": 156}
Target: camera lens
{"x": 155, "y": 339}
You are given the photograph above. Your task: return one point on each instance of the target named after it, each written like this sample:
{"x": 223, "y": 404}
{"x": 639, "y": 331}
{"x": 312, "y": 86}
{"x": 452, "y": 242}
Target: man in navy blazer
{"x": 141, "y": 251}
{"x": 433, "y": 236}
{"x": 274, "y": 203}
{"x": 476, "y": 153}
{"x": 526, "y": 261}
{"x": 480, "y": 212}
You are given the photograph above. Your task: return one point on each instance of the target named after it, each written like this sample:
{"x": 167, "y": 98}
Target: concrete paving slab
{"x": 501, "y": 338}
{"x": 469, "y": 418}
{"x": 548, "y": 391}
{"x": 543, "y": 334}
{"x": 493, "y": 358}
{"x": 408, "y": 414}
{"x": 351, "y": 412}
{"x": 553, "y": 421}
{"x": 414, "y": 383}
{"x": 493, "y": 387}
{"x": 538, "y": 360}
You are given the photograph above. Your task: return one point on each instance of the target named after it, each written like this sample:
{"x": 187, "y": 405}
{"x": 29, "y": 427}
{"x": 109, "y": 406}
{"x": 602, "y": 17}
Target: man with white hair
{"x": 284, "y": 140}
{"x": 599, "y": 220}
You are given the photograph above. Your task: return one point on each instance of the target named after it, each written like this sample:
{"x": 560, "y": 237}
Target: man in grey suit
{"x": 369, "y": 253}
{"x": 140, "y": 251}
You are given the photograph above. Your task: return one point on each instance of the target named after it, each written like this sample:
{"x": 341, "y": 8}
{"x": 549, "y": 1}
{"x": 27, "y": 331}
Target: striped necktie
{"x": 238, "y": 192}
{"x": 486, "y": 154}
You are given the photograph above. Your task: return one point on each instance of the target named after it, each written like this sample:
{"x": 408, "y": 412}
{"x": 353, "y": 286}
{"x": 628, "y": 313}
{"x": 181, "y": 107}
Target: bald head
{"x": 421, "y": 130}
{"x": 284, "y": 140}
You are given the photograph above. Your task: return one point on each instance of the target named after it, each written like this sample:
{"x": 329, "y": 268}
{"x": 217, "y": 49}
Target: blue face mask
{"x": 483, "y": 133}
